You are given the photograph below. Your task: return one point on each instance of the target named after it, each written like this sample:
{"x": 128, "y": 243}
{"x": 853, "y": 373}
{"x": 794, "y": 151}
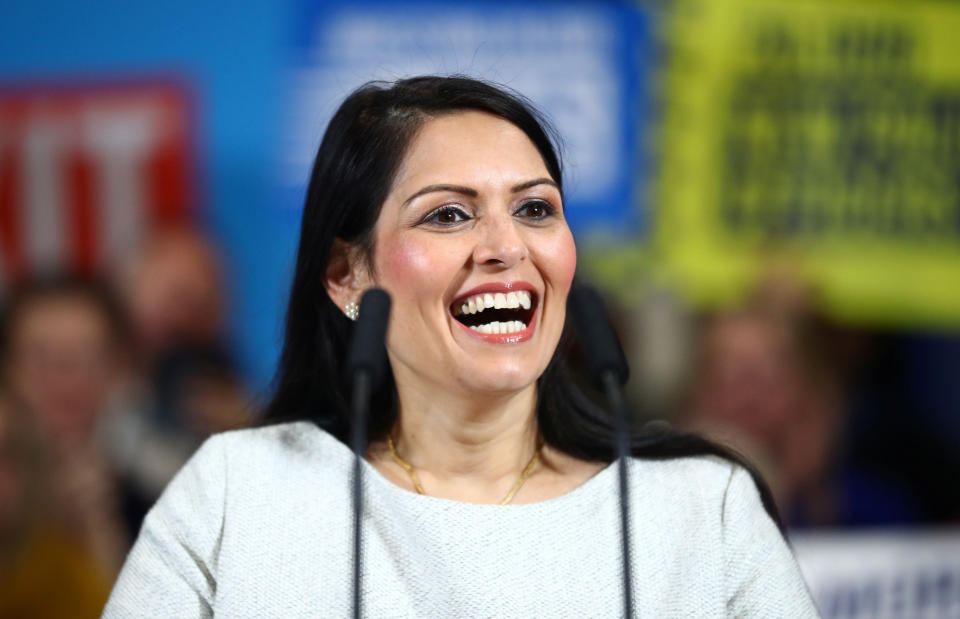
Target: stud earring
{"x": 352, "y": 310}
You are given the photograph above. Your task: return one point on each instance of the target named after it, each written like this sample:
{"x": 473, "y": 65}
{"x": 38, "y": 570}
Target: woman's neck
{"x": 475, "y": 435}
{"x": 469, "y": 447}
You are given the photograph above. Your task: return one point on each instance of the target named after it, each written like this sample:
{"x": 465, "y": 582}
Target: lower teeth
{"x": 513, "y": 326}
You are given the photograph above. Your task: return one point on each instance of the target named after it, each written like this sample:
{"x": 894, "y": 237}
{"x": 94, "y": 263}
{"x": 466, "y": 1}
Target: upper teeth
{"x": 496, "y": 300}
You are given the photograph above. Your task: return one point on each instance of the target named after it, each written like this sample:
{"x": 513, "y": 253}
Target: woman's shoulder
{"x": 268, "y": 448}
{"x": 703, "y": 482}
{"x": 292, "y": 435}
{"x": 700, "y": 471}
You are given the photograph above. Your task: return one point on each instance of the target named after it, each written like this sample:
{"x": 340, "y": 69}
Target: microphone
{"x": 366, "y": 353}
{"x": 609, "y": 371}
{"x": 599, "y": 343}
{"x": 366, "y": 365}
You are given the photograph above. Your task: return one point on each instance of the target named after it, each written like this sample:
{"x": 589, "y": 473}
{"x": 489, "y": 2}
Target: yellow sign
{"x": 824, "y": 133}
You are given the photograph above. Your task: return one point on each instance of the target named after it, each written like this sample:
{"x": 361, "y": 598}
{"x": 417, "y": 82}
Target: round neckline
{"x": 371, "y": 472}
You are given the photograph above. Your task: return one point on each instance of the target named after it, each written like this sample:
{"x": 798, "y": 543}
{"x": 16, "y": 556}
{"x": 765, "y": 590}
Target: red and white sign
{"x": 87, "y": 170}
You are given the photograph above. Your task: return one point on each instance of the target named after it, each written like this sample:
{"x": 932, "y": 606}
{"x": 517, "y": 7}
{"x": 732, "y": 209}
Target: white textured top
{"x": 258, "y": 524}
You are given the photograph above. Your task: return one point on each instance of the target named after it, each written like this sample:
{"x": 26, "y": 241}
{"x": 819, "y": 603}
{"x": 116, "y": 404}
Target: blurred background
{"x": 768, "y": 191}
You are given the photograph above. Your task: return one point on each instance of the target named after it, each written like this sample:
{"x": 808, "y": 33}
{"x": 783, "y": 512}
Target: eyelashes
{"x": 450, "y": 215}
{"x": 446, "y": 215}
{"x": 536, "y": 209}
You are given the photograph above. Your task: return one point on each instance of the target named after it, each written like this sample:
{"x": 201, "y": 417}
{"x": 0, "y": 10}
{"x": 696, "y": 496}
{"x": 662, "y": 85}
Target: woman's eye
{"x": 446, "y": 216}
{"x": 536, "y": 209}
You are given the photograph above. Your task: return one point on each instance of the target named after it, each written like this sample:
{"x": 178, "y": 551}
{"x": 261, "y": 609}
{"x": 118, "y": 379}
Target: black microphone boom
{"x": 366, "y": 348}
{"x": 601, "y": 348}
{"x": 609, "y": 371}
{"x": 366, "y": 365}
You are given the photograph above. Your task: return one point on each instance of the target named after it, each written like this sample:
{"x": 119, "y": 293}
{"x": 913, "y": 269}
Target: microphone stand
{"x": 611, "y": 386}
{"x": 366, "y": 363}
{"x": 609, "y": 370}
{"x": 358, "y": 441}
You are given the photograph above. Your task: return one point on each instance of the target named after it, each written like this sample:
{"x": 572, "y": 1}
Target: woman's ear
{"x": 347, "y": 274}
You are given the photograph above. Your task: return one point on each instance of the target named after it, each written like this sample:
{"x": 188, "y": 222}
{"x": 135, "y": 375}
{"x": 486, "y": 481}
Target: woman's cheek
{"x": 563, "y": 260}
{"x": 400, "y": 266}
{"x": 411, "y": 266}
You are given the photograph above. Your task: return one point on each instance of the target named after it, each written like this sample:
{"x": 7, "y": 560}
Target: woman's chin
{"x": 498, "y": 380}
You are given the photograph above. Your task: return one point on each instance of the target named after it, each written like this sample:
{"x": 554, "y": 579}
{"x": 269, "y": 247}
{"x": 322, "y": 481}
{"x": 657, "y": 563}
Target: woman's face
{"x": 473, "y": 247}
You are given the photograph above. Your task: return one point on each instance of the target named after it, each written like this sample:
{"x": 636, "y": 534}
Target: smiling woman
{"x": 447, "y": 192}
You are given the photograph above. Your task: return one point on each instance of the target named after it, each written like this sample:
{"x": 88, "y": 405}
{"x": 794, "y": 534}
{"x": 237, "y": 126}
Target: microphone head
{"x": 599, "y": 343}
{"x": 367, "y": 351}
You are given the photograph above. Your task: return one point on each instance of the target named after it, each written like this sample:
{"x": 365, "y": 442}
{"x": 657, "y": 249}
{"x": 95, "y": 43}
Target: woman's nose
{"x": 500, "y": 244}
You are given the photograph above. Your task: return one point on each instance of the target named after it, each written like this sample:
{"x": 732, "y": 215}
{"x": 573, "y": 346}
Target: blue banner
{"x": 583, "y": 64}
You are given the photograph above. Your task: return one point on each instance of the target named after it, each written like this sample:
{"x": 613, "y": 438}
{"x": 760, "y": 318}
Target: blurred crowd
{"x": 850, "y": 427}
{"x": 107, "y": 385}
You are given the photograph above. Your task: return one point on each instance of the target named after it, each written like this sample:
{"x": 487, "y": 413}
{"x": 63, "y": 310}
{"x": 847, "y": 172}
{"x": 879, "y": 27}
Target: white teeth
{"x": 499, "y": 300}
{"x": 498, "y": 328}
{"x": 523, "y": 297}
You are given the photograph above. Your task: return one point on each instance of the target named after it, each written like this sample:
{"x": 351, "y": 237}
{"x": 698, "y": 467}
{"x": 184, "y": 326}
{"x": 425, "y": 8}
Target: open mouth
{"x": 496, "y": 312}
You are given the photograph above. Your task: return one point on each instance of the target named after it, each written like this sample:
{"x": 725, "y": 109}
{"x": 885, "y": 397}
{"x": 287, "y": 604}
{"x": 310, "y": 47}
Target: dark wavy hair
{"x": 361, "y": 151}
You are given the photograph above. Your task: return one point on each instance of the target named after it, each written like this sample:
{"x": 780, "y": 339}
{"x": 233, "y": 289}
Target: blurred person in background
{"x": 771, "y": 381}
{"x": 60, "y": 526}
{"x": 175, "y": 293}
{"x": 183, "y": 385}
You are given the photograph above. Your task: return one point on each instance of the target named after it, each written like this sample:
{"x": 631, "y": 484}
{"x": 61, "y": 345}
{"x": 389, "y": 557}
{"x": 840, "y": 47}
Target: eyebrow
{"x": 432, "y": 188}
{"x": 534, "y": 183}
{"x": 467, "y": 191}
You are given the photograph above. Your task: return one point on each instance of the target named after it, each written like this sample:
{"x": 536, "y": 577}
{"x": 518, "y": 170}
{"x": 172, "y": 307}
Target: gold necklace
{"x": 416, "y": 480}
